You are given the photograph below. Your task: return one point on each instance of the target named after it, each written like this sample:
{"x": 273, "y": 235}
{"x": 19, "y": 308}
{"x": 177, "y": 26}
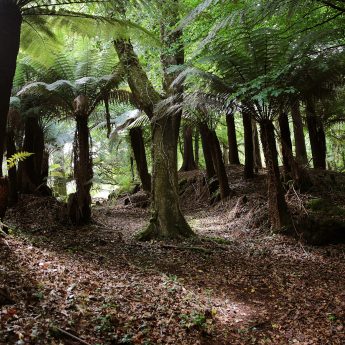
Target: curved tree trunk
{"x": 167, "y": 220}
{"x": 232, "y": 140}
{"x": 79, "y": 203}
{"x": 248, "y": 146}
{"x": 301, "y": 151}
{"x": 316, "y": 135}
{"x": 138, "y": 146}
{"x": 278, "y": 210}
{"x": 188, "y": 154}
{"x": 285, "y": 137}
{"x": 256, "y": 143}
{"x": 10, "y": 25}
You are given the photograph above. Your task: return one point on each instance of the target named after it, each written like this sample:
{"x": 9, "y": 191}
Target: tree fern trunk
{"x": 248, "y": 146}
{"x": 301, "y": 151}
{"x": 206, "y": 147}
{"x": 10, "y": 25}
{"x": 138, "y": 146}
{"x": 278, "y": 211}
{"x": 316, "y": 135}
{"x": 232, "y": 140}
{"x": 256, "y": 143}
{"x": 79, "y": 204}
{"x": 285, "y": 137}
{"x": 188, "y": 154}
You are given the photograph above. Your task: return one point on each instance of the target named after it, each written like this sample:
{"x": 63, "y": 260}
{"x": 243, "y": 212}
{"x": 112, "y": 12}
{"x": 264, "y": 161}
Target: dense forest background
{"x": 187, "y": 149}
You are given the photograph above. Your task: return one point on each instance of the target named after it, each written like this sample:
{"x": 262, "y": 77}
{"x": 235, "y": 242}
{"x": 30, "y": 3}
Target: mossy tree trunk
{"x": 188, "y": 163}
{"x": 316, "y": 135}
{"x": 248, "y": 145}
{"x": 301, "y": 151}
{"x": 167, "y": 220}
{"x": 138, "y": 147}
{"x": 10, "y": 26}
{"x": 278, "y": 210}
{"x": 232, "y": 140}
{"x": 79, "y": 203}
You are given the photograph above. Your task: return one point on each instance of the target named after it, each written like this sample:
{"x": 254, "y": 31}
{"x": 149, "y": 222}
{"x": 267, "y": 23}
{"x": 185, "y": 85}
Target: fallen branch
{"x": 70, "y": 335}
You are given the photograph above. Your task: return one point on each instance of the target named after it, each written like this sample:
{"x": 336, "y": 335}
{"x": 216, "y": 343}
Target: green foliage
{"x": 16, "y": 158}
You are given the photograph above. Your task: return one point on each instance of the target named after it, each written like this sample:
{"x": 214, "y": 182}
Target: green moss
{"x": 323, "y": 206}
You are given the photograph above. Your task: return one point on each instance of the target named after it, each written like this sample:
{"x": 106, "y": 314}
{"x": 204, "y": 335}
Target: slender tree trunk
{"x": 188, "y": 154}
{"x": 248, "y": 146}
{"x": 138, "y": 146}
{"x": 301, "y": 151}
{"x": 279, "y": 214}
{"x": 232, "y": 140}
{"x": 256, "y": 143}
{"x": 206, "y": 147}
{"x": 218, "y": 163}
{"x": 79, "y": 203}
{"x": 316, "y": 135}
{"x": 10, "y": 25}
{"x": 285, "y": 137}
{"x": 12, "y": 173}
{"x": 196, "y": 147}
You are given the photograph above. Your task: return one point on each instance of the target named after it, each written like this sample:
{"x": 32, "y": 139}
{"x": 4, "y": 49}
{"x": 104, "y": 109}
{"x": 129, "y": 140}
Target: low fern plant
{"x": 16, "y": 158}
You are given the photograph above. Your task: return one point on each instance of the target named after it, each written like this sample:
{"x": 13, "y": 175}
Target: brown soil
{"x": 237, "y": 284}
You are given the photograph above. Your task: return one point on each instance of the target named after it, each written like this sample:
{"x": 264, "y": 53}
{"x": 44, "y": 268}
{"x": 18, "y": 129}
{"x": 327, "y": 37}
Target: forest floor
{"x": 236, "y": 284}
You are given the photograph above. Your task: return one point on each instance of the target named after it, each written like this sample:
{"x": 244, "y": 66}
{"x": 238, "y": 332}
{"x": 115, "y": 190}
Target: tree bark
{"x": 196, "y": 147}
{"x": 248, "y": 145}
{"x": 214, "y": 160}
{"x": 301, "y": 151}
{"x": 3, "y": 198}
{"x": 316, "y": 135}
{"x": 232, "y": 140}
{"x": 285, "y": 138}
{"x": 256, "y": 143}
{"x": 206, "y": 147}
{"x": 79, "y": 203}
{"x": 10, "y": 26}
{"x": 167, "y": 220}
{"x": 188, "y": 154}
{"x": 218, "y": 163}
{"x": 138, "y": 146}
{"x": 278, "y": 211}
{"x": 12, "y": 172}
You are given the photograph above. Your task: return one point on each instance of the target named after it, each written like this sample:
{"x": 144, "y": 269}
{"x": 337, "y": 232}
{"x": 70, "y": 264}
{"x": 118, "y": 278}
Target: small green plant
{"x": 16, "y": 158}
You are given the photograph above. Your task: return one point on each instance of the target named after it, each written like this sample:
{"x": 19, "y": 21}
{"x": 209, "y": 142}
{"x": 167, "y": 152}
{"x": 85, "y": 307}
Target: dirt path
{"x": 96, "y": 283}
